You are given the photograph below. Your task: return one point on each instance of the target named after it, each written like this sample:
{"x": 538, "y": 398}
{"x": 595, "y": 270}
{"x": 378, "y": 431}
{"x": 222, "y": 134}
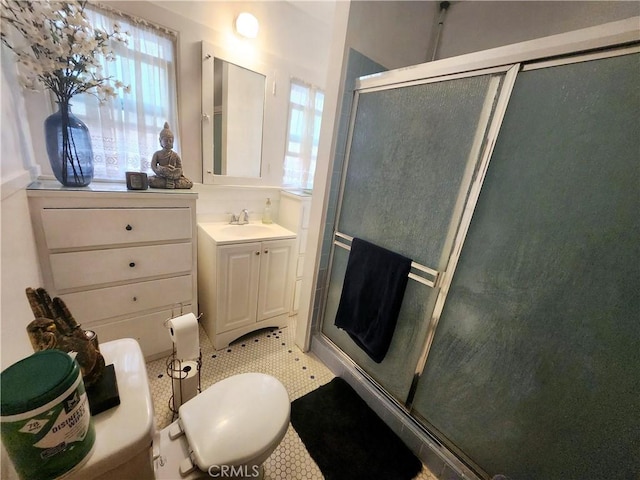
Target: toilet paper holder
{"x": 185, "y": 381}
{"x": 173, "y": 315}
{"x": 185, "y": 374}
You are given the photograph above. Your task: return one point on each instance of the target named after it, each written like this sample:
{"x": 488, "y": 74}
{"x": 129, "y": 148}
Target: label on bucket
{"x": 71, "y": 425}
{"x": 50, "y": 441}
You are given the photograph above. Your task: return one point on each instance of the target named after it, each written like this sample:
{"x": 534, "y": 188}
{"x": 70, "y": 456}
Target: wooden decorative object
{"x": 55, "y": 327}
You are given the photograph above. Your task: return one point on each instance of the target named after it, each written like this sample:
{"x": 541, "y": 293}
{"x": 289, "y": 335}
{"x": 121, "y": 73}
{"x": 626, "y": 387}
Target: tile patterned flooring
{"x": 272, "y": 351}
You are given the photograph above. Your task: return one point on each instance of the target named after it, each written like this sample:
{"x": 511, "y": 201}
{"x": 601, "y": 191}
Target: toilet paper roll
{"x": 184, "y": 333}
{"x": 184, "y": 376}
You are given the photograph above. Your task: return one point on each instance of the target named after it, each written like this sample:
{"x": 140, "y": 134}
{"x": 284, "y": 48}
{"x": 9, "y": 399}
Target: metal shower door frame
{"x": 488, "y": 125}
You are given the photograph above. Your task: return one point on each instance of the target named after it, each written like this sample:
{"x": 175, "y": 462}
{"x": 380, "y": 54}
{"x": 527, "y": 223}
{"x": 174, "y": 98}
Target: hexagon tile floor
{"x": 272, "y": 351}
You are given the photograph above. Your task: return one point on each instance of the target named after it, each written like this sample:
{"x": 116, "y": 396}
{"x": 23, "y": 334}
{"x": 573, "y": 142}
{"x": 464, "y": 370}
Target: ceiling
{"x": 321, "y": 10}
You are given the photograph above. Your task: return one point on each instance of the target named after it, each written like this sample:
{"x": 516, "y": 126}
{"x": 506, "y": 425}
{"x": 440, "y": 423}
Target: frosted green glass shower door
{"x": 413, "y": 153}
{"x": 534, "y": 368}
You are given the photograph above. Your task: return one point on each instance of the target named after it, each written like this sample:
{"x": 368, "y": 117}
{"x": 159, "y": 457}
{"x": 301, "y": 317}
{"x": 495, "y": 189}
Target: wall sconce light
{"x": 247, "y": 25}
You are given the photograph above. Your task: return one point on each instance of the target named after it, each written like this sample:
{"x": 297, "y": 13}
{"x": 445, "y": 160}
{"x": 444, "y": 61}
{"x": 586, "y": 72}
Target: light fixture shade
{"x": 247, "y": 25}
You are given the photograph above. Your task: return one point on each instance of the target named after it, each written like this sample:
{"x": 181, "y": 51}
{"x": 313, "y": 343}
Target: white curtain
{"x": 305, "y": 115}
{"x": 124, "y": 131}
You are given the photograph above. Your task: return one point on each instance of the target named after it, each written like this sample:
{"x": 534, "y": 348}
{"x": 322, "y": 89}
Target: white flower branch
{"x": 62, "y": 50}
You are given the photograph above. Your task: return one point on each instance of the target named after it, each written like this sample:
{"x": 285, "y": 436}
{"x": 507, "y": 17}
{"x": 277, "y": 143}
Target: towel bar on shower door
{"x": 431, "y": 282}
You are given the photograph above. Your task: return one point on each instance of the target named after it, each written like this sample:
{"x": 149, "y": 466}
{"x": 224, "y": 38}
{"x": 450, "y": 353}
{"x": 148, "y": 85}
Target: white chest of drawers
{"x": 123, "y": 262}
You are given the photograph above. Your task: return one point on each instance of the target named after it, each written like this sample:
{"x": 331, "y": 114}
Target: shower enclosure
{"x": 511, "y": 178}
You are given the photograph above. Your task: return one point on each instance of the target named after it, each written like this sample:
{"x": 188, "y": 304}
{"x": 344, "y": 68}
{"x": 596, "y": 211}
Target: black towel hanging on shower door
{"x": 372, "y": 293}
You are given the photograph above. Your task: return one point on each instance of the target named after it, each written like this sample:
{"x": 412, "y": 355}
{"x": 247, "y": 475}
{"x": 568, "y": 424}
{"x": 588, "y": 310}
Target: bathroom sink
{"x": 248, "y": 230}
{"x": 224, "y": 233}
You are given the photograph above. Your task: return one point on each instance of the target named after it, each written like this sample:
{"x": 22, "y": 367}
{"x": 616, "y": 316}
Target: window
{"x": 305, "y": 115}
{"x": 124, "y": 132}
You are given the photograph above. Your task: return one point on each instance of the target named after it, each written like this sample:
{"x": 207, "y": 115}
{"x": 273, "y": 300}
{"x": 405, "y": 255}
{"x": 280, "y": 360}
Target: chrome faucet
{"x": 241, "y": 219}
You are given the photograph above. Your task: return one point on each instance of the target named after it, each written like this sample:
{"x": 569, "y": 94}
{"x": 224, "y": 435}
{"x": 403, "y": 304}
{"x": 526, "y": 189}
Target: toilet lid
{"x": 235, "y": 420}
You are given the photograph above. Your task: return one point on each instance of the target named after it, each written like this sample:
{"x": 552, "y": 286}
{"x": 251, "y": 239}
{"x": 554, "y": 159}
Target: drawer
{"x": 148, "y": 330}
{"x": 103, "y": 303}
{"x": 88, "y": 227}
{"x": 96, "y": 267}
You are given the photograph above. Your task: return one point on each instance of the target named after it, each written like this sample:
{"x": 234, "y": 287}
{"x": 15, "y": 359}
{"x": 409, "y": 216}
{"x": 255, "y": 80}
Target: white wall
{"x": 18, "y": 251}
{"x": 392, "y": 33}
{"x": 401, "y": 33}
{"x": 472, "y": 26}
{"x": 322, "y": 179}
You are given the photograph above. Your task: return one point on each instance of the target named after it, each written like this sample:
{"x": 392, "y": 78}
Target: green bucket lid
{"x": 35, "y": 381}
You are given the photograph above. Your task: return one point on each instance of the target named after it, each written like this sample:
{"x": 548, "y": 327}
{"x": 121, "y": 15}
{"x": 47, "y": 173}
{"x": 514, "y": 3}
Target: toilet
{"x": 226, "y": 431}
{"x": 231, "y": 428}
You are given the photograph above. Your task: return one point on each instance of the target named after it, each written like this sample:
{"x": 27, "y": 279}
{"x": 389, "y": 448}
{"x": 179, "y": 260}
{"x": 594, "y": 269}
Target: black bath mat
{"x": 347, "y": 439}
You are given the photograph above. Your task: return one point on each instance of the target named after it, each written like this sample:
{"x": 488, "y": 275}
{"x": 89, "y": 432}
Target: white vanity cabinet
{"x": 244, "y": 283}
{"x": 123, "y": 262}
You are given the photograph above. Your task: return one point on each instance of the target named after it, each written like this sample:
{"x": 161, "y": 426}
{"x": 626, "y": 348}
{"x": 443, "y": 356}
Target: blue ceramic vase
{"x": 69, "y": 147}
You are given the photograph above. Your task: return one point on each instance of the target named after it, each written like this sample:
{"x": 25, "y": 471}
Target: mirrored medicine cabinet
{"x": 233, "y": 99}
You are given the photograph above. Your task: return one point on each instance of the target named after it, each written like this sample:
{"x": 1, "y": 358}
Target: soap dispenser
{"x": 266, "y": 215}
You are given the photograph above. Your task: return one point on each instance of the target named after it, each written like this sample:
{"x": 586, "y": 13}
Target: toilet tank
{"x": 124, "y": 433}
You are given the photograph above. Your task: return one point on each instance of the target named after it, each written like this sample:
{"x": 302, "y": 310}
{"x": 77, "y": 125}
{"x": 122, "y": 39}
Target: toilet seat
{"x": 236, "y": 421}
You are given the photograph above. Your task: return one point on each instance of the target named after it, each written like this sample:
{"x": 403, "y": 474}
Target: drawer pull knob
{"x": 266, "y": 251}
{"x": 132, "y": 264}
{"x": 128, "y": 227}
{"x": 135, "y": 299}
{"x": 257, "y": 253}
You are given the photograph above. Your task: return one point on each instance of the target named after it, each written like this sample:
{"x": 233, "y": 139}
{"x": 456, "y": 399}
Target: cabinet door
{"x": 238, "y": 275}
{"x": 274, "y": 297}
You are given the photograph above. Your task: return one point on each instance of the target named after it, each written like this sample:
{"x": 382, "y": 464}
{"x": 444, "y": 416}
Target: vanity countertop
{"x": 225, "y": 233}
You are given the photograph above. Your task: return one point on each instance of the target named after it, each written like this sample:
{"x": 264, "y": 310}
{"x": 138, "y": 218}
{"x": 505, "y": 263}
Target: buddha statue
{"x": 167, "y": 165}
